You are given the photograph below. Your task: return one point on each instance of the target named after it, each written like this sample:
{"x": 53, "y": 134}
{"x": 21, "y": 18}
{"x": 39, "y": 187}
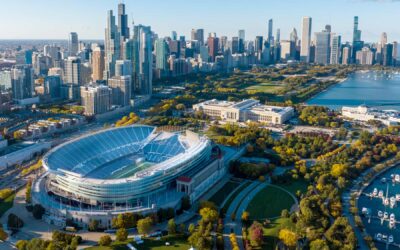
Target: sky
{"x": 54, "y": 19}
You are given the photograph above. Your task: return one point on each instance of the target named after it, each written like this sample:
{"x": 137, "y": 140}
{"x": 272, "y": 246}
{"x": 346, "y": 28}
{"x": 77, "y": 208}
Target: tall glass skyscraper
{"x": 73, "y": 44}
{"x": 142, "y": 60}
{"x": 22, "y": 82}
{"x": 305, "y": 39}
{"x": 123, "y": 27}
{"x": 112, "y": 46}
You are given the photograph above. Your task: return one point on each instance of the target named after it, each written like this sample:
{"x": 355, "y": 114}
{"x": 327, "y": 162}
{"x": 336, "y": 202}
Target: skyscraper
{"x": 123, "y": 28}
{"x": 258, "y": 43}
{"x": 322, "y": 47}
{"x": 198, "y": 35}
{"x": 112, "y": 46}
{"x": 22, "y": 82}
{"x": 270, "y": 37}
{"x": 143, "y": 60}
{"x": 123, "y": 68}
{"x": 121, "y": 90}
{"x": 96, "y": 99}
{"x": 357, "y": 43}
{"x": 52, "y": 86}
{"x": 161, "y": 48}
{"x": 73, "y": 71}
{"x": 346, "y": 55}
{"x": 388, "y": 54}
{"x": 335, "y": 49}
{"x": 174, "y": 35}
{"x": 293, "y": 36}
{"x": 241, "y": 40}
{"x": 305, "y": 39}
{"x": 384, "y": 39}
{"x": 98, "y": 64}
{"x": 212, "y": 43}
{"x": 73, "y": 44}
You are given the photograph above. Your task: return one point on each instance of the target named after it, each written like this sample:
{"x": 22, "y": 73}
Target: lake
{"x": 373, "y": 88}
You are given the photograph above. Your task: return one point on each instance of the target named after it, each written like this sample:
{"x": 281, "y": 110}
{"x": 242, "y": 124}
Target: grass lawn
{"x": 221, "y": 194}
{"x": 295, "y": 185}
{"x": 6, "y": 204}
{"x": 176, "y": 242}
{"x": 233, "y": 196}
{"x": 269, "y": 203}
{"x": 270, "y": 88}
{"x": 272, "y": 230}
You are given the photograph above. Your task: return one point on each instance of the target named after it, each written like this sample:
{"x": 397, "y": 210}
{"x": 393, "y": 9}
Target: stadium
{"x": 136, "y": 168}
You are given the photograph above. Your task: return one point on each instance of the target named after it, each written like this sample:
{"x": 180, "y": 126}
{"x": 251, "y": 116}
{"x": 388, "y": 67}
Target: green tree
{"x": 121, "y": 234}
{"x": 38, "y": 211}
{"x": 93, "y": 225}
{"x": 28, "y": 196}
{"x": 105, "y": 240}
{"x": 21, "y": 244}
{"x": 144, "y": 225}
{"x": 191, "y": 228}
{"x": 319, "y": 244}
{"x": 171, "y": 227}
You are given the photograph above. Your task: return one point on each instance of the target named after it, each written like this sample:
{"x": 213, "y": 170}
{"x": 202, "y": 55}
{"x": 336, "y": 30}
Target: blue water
{"x": 373, "y": 88}
{"x": 375, "y": 204}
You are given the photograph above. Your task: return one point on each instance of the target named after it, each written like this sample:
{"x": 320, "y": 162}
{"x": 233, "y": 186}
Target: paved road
{"x": 239, "y": 204}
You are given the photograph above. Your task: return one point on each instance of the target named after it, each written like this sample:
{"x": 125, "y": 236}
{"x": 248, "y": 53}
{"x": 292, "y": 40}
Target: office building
{"x": 73, "y": 71}
{"x": 388, "y": 54}
{"x": 161, "y": 49}
{"x": 212, "y": 43}
{"x": 112, "y": 46}
{"x": 123, "y": 68}
{"x": 198, "y": 35}
{"x": 121, "y": 90}
{"x": 346, "y": 55}
{"x": 322, "y": 47}
{"x": 5, "y": 80}
{"x": 335, "y": 49}
{"x": 52, "y": 86}
{"x": 98, "y": 64}
{"x": 96, "y": 99}
{"x": 270, "y": 36}
{"x": 258, "y": 44}
{"x": 73, "y": 44}
{"x": 174, "y": 35}
{"x": 305, "y": 39}
{"x": 22, "y": 82}
{"x": 287, "y": 50}
{"x": 143, "y": 60}
{"x": 365, "y": 56}
{"x": 123, "y": 28}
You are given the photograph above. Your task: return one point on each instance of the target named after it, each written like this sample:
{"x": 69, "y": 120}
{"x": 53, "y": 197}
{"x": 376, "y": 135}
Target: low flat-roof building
{"x": 364, "y": 113}
{"x": 246, "y": 110}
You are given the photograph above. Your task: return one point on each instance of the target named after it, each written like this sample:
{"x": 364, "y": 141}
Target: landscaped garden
{"x": 221, "y": 194}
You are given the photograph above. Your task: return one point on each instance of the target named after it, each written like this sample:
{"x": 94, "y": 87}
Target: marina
{"x": 379, "y": 206}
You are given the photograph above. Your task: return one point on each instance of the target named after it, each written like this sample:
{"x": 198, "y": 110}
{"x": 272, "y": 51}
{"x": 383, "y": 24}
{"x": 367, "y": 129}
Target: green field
{"x": 6, "y": 204}
{"x": 295, "y": 185}
{"x": 176, "y": 243}
{"x": 221, "y": 194}
{"x": 272, "y": 230}
{"x": 269, "y": 203}
{"x": 269, "y": 88}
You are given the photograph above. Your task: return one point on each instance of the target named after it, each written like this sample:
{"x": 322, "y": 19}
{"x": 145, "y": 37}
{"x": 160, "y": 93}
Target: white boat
{"x": 397, "y": 197}
{"x": 379, "y": 236}
{"x": 380, "y": 214}
{"x": 365, "y": 211}
{"x": 375, "y": 192}
{"x": 392, "y": 201}
{"x": 384, "y": 237}
{"x": 390, "y": 239}
{"x": 397, "y": 178}
{"x": 383, "y": 180}
{"x": 392, "y": 224}
{"x": 385, "y": 215}
{"x": 392, "y": 217}
{"x": 380, "y": 194}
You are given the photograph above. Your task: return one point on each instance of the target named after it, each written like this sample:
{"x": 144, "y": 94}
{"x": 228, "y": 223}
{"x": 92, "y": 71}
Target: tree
{"x": 3, "y": 234}
{"x": 14, "y": 222}
{"x": 21, "y": 244}
{"x": 28, "y": 197}
{"x": 93, "y": 225}
{"x": 285, "y": 213}
{"x": 338, "y": 170}
{"x": 171, "y": 227}
{"x": 144, "y": 225}
{"x": 191, "y": 228}
{"x": 121, "y": 234}
{"x": 288, "y": 237}
{"x": 105, "y": 240}
{"x": 319, "y": 244}
{"x": 38, "y": 211}
{"x": 256, "y": 234}
{"x": 209, "y": 214}
{"x": 245, "y": 216}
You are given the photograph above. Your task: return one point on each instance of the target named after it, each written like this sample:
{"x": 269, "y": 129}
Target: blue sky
{"x": 54, "y": 19}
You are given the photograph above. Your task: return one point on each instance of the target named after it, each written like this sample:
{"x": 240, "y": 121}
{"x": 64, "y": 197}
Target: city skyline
{"x": 253, "y": 19}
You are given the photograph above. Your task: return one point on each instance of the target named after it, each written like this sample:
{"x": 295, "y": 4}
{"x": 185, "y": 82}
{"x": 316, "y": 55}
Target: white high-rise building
{"x": 335, "y": 48}
{"x": 96, "y": 99}
{"x": 121, "y": 90}
{"x": 73, "y": 71}
{"x": 305, "y": 39}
